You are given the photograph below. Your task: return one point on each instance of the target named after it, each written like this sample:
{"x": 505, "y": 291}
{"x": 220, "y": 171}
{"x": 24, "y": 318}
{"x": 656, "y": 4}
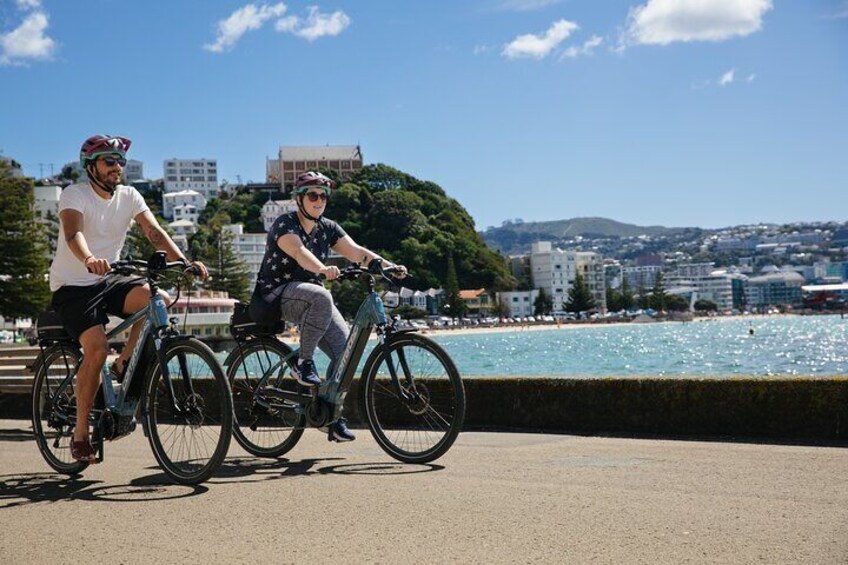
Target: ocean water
{"x": 779, "y": 346}
{"x": 792, "y": 345}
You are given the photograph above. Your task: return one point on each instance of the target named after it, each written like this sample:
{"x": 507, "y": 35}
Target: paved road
{"x": 495, "y": 498}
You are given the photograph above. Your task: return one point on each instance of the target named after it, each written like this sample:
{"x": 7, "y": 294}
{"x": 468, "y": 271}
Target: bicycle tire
{"x": 423, "y": 430}
{"x": 201, "y": 414}
{"x": 245, "y": 366}
{"x": 54, "y": 441}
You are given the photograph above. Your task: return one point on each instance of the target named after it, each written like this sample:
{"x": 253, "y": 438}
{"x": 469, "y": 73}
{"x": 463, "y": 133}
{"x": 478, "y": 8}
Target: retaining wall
{"x": 774, "y": 408}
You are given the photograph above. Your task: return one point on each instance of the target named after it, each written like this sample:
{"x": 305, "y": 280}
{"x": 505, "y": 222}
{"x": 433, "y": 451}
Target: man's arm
{"x": 72, "y": 221}
{"x": 160, "y": 239}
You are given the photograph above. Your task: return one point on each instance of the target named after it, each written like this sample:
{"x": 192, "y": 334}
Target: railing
{"x": 16, "y": 369}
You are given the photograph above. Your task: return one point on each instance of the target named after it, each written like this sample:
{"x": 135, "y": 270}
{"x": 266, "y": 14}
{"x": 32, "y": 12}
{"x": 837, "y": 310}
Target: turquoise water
{"x": 811, "y": 345}
{"x": 793, "y": 345}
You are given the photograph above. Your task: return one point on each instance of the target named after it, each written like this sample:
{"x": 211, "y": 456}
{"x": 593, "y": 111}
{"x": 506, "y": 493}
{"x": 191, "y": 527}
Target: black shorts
{"x": 73, "y": 303}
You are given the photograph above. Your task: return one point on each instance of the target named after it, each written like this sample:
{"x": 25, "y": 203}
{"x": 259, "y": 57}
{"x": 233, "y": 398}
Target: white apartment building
{"x": 186, "y": 212}
{"x": 555, "y": 270}
{"x": 295, "y": 159}
{"x": 716, "y": 287}
{"x": 47, "y": 200}
{"x": 643, "y": 276}
{"x": 520, "y": 302}
{"x": 134, "y": 171}
{"x": 273, "y": 209}
{"x": 200, "y": 175}
{"x": 249, "y": 247}
{"x": 172, "y": 200}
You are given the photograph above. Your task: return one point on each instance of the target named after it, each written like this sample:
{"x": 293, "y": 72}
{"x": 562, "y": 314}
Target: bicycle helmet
{"x": 309, "y": 179}
{"x": 98, "y": 145}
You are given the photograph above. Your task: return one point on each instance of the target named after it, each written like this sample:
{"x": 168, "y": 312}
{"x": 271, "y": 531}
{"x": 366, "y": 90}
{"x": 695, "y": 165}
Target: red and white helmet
{"x": 97, "y": 145}
{"x": 309, "y": 179}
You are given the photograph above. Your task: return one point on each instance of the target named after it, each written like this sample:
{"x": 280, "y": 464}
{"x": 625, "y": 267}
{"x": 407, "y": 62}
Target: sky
{"x": 705, "y": 113}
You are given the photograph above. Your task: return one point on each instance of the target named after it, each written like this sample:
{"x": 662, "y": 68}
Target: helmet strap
{"x": 95, "y": 179}
{"x": 299, "y": 199}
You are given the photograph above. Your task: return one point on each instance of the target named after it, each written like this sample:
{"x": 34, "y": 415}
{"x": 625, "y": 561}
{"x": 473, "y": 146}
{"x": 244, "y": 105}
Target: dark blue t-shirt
{"x": 278, "y": 268}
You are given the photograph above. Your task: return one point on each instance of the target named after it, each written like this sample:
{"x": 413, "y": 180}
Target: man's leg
{"x": 137, "y": 299}
{"x": 95, "y": 348}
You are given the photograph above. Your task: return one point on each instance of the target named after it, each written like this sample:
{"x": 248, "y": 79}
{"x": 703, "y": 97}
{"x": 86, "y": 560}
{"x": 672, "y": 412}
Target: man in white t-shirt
{"x": 95, "y": 218}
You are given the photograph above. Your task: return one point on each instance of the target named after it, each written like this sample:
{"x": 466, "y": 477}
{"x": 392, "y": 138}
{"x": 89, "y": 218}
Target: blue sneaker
{"x": 340, "y": 432}
{"x": 306, "y": 374}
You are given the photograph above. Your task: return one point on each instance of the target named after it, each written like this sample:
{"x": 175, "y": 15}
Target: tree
{"x": 627, "y": 298}
{"x": 501, "y": 309}
{"x": 580, "y": 299}
{"x": 659, "y": 297}
{"x": 455, "y": 305}
{"x": 543, "y": 304}
{"x": 614, "y": 300}
{"x": 24, "y": 291}
{"x": 676, "y": 303}
{"x": 703, "y": 305}
{"x": 348, "y": 296}
{"x": 226, "y": 271}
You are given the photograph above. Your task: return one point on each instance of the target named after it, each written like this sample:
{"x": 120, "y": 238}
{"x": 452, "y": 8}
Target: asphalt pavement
{"x": 494, "y": 498}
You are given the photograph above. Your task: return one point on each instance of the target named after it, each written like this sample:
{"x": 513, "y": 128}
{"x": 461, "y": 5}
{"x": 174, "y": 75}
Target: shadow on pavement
{"x": 16, "y": 435}
{"x": 238, "y": 470}
{"x": 32, "y": 488}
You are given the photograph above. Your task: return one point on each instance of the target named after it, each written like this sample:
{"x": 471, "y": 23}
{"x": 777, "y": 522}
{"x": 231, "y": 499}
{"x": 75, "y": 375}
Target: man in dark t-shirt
{"x": 295, "y": 253}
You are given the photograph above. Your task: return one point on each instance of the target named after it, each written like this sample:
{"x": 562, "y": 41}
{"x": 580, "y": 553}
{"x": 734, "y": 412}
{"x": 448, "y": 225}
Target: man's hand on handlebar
{"x": 96, "y": 265}
{"x": 199, "y": 269}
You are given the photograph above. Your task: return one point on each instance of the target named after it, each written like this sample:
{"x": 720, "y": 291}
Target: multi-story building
{"x": 173, "y": 200}
{"x": 555, "y": 271}
{"x": 641, "y": 277}
{"x": 775, "y": 288}
{"x": 13, "y": 168}
{"x": 249, "y": 247}
{"x": 520, "y": 302}
{"x": 273, "y": 209}
{"x": 293, "y": 160}
{"x": 134, "y": 171}
{"x": 478, "y": 303}
{"x": 200, "y": 175}
{"x": 694, "y": 269}
{"x": 47, "y": 200}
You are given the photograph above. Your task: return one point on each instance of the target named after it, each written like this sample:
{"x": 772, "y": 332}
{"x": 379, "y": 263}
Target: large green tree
{"x": 544, "y": 303}
{"x": 24, "y": 291}
{"x": 226, "y": 271}
{"x": 580, "y": 298}
{"x": 454, "y": 305}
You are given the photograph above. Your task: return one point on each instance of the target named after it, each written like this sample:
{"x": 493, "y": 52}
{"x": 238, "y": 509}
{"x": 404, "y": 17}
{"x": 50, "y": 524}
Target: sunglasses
{"x": 314, "y": 196}
{"x": 112, "y": 161}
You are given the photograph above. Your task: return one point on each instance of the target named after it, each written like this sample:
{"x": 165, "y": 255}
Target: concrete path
{"x": 494, "y": 498}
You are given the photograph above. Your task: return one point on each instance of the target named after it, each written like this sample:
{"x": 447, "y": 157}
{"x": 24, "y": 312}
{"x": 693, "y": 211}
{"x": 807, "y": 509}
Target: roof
{"x": 785, "y": 276}
{"x": 469, "y": 294}
{"x": 319, "y": 152}
{"x": 824, "y": 287}
{"x": 181, "y": 193}
{"x": 178, "y": 223}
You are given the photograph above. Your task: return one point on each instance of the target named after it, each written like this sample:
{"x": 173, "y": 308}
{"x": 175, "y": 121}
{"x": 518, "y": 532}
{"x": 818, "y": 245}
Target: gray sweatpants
{"x": 321, "y": 324}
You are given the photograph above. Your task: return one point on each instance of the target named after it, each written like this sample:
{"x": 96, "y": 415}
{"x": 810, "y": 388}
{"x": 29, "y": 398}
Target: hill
{"x": 516, "y": 237}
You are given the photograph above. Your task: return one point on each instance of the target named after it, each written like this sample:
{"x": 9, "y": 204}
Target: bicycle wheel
{"x": 262, "y": 425}
{"x": 189, "y": 433}
{"x": 423, "y": 426}
{"x": 54, "y": 407}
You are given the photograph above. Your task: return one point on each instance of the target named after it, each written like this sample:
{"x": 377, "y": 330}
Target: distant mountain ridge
{"x": 514, "y": 236}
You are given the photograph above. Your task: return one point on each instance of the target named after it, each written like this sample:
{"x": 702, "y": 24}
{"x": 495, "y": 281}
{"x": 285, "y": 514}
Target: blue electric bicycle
{"x": 411, "y": 396}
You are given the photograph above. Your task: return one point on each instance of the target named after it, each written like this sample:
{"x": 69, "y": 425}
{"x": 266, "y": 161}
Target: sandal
{"x": 82, "y": 451}
{"x": 116, "y": 373}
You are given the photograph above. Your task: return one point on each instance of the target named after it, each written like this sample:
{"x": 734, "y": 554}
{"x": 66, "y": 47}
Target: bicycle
{"x": 411, "y": 395}
{"x": 181, "y": 389}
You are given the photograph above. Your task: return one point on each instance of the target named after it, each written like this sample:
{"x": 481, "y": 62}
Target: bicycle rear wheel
{"x": 189, "y": 433}
{"x": 54, "y": 407}
{"x": 422, "y": 423}
{"x": 263, "y": 425}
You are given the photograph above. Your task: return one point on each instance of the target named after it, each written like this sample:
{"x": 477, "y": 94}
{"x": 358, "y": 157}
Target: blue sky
{"x": 672, "y": 112}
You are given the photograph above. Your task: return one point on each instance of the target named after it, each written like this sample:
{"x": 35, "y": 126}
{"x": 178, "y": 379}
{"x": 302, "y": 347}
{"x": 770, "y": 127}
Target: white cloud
{"x": 320, "y": 25}
{"x": 751, "y": 77}
{"x": 524, "y": 5}
{"x": 586, "y": 49}
{"x": 28, "y": 4}
{"x": 660, "y": 22}
{"x": 287, "y": 24}
{"x": 539, "y": 46}
{"x": 240, "y": 22}
{"x": 727, "y": 77}
{"x": 27, "y": 41}
{"x": 482, "y": 49}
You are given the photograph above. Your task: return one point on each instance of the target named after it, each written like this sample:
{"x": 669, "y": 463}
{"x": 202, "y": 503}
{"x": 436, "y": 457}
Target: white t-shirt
{"x": 105, "y": 224}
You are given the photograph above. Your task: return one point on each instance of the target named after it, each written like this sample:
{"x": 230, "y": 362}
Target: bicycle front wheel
{"x": 189, "y": 432}
{"x": 419, "y": 423}
{"x": 264, "y": 424}
{"x": 54, "y": 407}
